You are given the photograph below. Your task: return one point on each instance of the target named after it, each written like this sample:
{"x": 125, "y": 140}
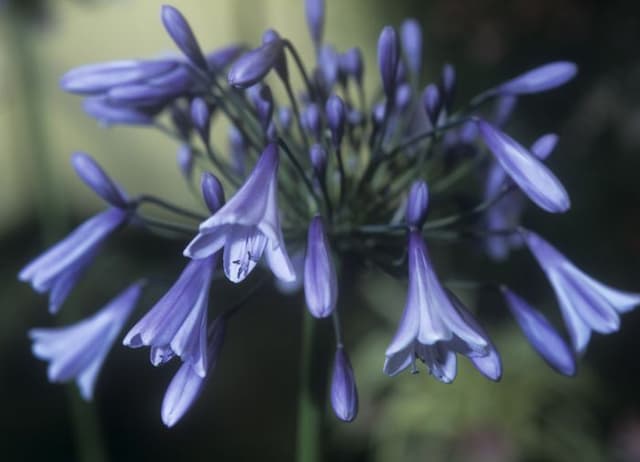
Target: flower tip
{"x": 344, "y": 393}
{"x": 95, "y": 177}
{"x": 179, "y": 30}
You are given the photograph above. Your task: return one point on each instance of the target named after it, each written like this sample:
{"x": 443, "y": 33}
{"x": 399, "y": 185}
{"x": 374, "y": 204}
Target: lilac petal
{"x": 219, "y": 59}
{"x": 440, "y": 361}
{"x": 344, "y": 394}
{"x": 212, "y": 192}
{"x": 543, "y": 146}
{"x": 78, "y": 351}
{"x": 70, "y": 253}
{"x": 181, "y": 33}
{"x": 190, "y": 340}
{"x": 93, "y": 175}
{"x": 64, "y": 283}
{"x": 314, "y": 10}
{"x": 184, "y": 389}
{"x": 186, "y": 385}
{"x": 535, "y": 180}
{"x": 540, "y": 79}
{"x": 388, "y": 58}
{"x": 408, "y": 327}
{"x": 252, "y": 66}
{"x": 159, "y": 355}
{"x": 206, "y": 244}
{"x": 97, "y": 78}
{"x": 292, "y": 287}
{"x": 242, "y": 252}
{"x": 411, "y": 34}
{"x": 417, "y": 204}
{"x": 541, "y": 334}
{"x": 586, "y": 304}
{"x": 399, "y": 361}
{"x": 141, "y": 95}
{"x": 320, "y": 280}
{"x": 106, "y": 113}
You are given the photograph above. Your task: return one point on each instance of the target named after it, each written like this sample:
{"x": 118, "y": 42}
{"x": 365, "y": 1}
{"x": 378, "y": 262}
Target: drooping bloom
{"x": 77, "y": 352}
{"x": 177, "y": 323}
{"x": 531, "y": 175}
{"x": 586, "y": 304}
{"x": 344, "y": 394}
{"x": 320, "y": 281}
{"x": 248, "y": 226}
{"x": 541, "y": 334}
{"x": 59, "y": 268}
{"x": 507, "y": 212}
{"x": 432, "y": 321}
{"x": 186, "y": 385}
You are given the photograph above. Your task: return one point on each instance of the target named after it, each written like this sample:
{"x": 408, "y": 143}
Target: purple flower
{"x": 411, "y": 34}
{"x": 388, "y": 58}
{"x": 585, "y": 303}
{"x": 531, "y": 175}
{"x": 98, "y": 78}
{"x": 430, "y": 316}
{"x": 318, "y": 156}
{"x": 94, "y": 177}
{"x": 185, "y": 159}
{"x": 177, "y": 323}
{"x": 402, "y": 98}
{"x": 312, "y": 122}
{"x": 541, "y": 335}
{"x": 78, "y": 351}
{"x": 320, "y": 280}
{"x": 248, "y": 225}
{"x": 254, "y": 65}
{"x": 543, "y": 78}
{"x": 280, "y": 64}
{"x": 186, "y": 385}
{"x": 329, "y": 65}
{"x": 212, "y": 192}
{"x": 449, "y": 83}
{"x": 417, "y": 204}
{"x": 344, "y": 394}
{"x": 181, "y": 33}
{"x": 351, "y": 63}
{"x": 336, "y": 117}
{"x": 507, "y": 212}
{"x": 58, "y": 269}
{"x": 108, "y": 114}
{"x": 315, "y": 19}
{"x": 504, "y": 107}
{"x": 262, "y": 100}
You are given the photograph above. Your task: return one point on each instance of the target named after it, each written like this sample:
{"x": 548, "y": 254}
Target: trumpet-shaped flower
{"x": 247, "y": 226}
{"x": 586, "y": 304}
{"x": 77, "y": 352}
{"x": 431, "y": 319}
{"x": 177, "y": 324}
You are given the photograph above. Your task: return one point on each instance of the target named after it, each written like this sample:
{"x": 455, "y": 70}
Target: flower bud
{"x": 181, "y": 33}
{"x": 503, "y": 109}
{"x": 280, "y": 64}
{"x": 212, "y": 192}
{"x": 432, "y": 103}
{"x": 448, "y": 86}
{"x": 351, "y": 63}
{"x": 388, "y": 60}
{"x": 238, "y": 149}
{"x": 262, "y": 100}
{"x": 314, "y": 10}
{"x": 318, "y": 157}
{"x": 543, "y": 78}
{"x": 254, "y": 65}
{"x": 543, "y": 146}
{"x": 320, "y": 281}
{"x": 285, "y": 117}
{"x": 218, "y": 59}
{"x": 312, "y": 122}
{"x": 185, "y": 160}
{"x": 344, "y": 394}
{"x": 201, "y": 118}
{"x": 93, "y": 176}
{"x": 181, "y": 121}
{"x": 541, "y": 334}
{"x": 417, "y": 204}
{"x": 336, "y": 119}
{"x": 411, "y": 34}
{"x": 403, "y": 97}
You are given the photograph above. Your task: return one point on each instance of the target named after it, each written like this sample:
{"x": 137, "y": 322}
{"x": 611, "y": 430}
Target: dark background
{"x": 248, "y": 410}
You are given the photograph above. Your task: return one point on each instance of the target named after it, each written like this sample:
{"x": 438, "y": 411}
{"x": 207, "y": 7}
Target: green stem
{"x": 308, "y": 441}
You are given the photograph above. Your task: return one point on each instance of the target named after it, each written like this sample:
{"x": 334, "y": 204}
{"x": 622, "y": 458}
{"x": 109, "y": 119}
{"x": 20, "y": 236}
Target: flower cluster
{"x": 326, "y": 173}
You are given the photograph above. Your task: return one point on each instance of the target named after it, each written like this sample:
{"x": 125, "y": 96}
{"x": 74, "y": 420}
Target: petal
{"x": 242, "y": 251}
{"x": 440, "y": 361}
{"x": 208, "y": 243}
{"x": 183, "y": 390}
{"x": 540, "y": 79}
{"x": 398, "y": 361}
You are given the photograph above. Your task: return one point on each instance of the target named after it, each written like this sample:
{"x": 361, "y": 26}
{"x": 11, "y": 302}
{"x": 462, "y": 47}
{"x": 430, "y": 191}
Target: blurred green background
{"x": 248, "y": 410}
